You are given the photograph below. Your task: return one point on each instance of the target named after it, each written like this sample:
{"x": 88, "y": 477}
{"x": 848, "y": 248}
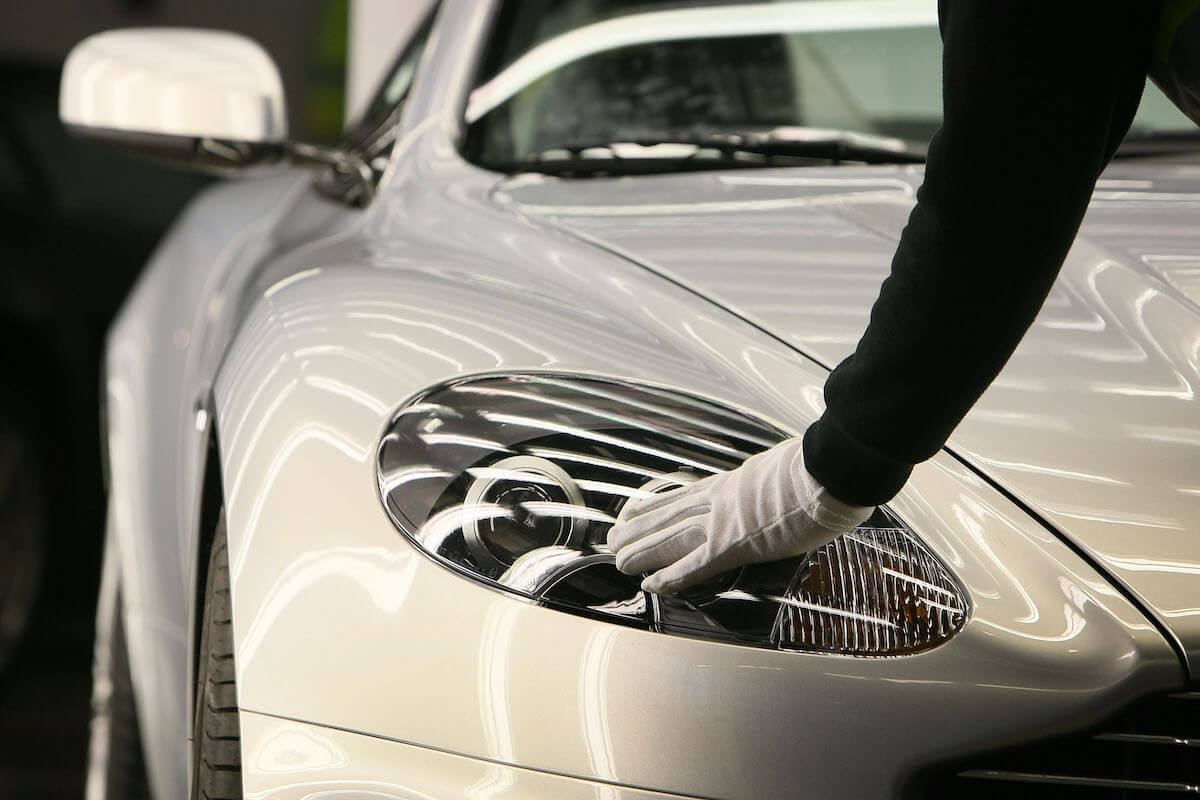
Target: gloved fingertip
{"x": 622, "y": 565}
{"x": 658, "y": 585}
{"x": 635, "y": 508}
{"x": 621, "y": 535}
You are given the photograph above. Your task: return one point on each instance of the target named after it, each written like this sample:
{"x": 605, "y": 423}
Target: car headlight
{"x": 514, "y": 481}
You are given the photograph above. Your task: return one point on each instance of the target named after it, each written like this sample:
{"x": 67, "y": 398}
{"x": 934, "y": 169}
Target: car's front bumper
{"x": 288, "y": 760}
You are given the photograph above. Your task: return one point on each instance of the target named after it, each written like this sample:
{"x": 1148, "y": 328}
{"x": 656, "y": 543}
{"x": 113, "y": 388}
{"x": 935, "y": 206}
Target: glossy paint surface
{"x": 174, "y": 82}
{"x": 460, "y": 284}
{"x": 162, "y": 354}
{"x": 1094, "y": 422}
{"x": 299, "y": 326}
{"x": 285, "y": 760}
{"x": 421, "y": 655}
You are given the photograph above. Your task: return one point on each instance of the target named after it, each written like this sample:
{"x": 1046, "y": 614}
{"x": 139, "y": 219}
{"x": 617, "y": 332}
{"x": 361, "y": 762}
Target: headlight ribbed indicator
{"x": 514, "y": 480}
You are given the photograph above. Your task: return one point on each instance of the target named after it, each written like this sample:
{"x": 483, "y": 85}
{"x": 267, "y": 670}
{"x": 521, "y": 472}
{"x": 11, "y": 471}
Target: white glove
{"x": 767, "y": 509}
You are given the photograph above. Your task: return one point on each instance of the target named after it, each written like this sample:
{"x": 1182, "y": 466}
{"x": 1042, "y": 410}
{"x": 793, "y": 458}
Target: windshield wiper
{"x": 670, "y": 151}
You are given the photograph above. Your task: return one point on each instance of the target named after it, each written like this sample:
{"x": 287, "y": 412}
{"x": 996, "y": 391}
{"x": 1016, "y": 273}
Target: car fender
{"x": 338, "y": 621}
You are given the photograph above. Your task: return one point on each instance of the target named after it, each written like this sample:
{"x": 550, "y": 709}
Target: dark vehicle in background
{"x": 77, "y": 221}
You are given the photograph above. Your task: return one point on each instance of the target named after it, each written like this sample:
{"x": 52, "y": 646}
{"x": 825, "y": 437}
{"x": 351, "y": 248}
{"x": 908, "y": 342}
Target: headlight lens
{"x": 514, "y": 480}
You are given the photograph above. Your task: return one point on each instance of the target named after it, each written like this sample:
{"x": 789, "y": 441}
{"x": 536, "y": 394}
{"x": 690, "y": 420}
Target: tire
{"x": 217, "y": 756}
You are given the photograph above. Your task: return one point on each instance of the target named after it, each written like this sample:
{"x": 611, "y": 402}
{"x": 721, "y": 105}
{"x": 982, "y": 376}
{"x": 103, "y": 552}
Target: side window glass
{"x": 374, "y": 136}
{"x": 368, "y": 147}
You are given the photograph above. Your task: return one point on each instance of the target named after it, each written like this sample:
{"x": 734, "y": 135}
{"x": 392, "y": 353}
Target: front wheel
{"x": 217, "y": 756}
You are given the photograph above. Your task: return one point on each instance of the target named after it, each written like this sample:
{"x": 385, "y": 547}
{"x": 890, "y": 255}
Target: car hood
{"x": 1094, "y": 422}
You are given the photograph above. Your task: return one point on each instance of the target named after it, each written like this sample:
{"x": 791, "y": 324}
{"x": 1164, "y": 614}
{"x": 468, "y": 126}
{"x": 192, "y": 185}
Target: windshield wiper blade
{"x": 648, "y": 151}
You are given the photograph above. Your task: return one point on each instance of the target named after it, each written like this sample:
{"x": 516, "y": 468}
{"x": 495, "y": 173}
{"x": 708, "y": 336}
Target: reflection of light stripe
{"x": 595, "y": 436}
{"x": 936, "y": 604}
{"x": 443, "y": 330}
{"x": 541, "y": 569}
{"x": 397, "y": 479}
{"x": 594, "y": 689}
{"x": 737, "y": 594}
{"x": 435, "y": 530}
{"x": 887, "y": 551}
{"x": 835, "y": 611}
{"x": 674, "y": 413}
{"x": 612, "y": 488}
{"x": 916, "y": 581}
{"x": 290, "y": 279}
{"x": 1148, "y": 738}
{"x": 437, "y": 409}
{"x": 456, "y": 319}
{"x": 416, "y": 348}
{"x": 346, "y": 390}
{"x": 701, "y": 207}
{"x": 501, "y": 474}
{"x": 496, "y": 641}
{"x": 632, "y": 422}
{"x": 1153, "y": 565}
{"x": 566, "y": 455}
{"x": 1113, "y": 183}
{"x": 895, "y": 185}
{"x": 543, "y": 509}
{"x": 1150, "y": 196}
{"x": 696, "y": 23}
{"x": 531, "y": 571}
{"x": 630, "y": 607}
{"x": 1037, "y": 469}
{"x": 522, "y": 476}
{"x": 464, "y": 441}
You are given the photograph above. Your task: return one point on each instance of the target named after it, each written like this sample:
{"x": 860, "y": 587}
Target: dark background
{"x": 77, "y": 223}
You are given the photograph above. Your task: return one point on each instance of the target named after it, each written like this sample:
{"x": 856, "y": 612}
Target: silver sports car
{"x": 371, "y": 410}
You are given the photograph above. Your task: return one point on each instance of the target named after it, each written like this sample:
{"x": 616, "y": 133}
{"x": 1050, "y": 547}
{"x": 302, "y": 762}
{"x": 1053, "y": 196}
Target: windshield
{"x": 572, "y": 73}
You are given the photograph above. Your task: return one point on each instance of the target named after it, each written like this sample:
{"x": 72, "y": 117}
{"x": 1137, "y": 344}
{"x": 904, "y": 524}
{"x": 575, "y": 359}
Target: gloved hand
{"x": 767, "y": 509}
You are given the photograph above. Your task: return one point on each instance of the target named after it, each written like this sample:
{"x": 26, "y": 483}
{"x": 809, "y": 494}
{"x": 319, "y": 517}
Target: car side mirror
{"x": 201, "y": 98}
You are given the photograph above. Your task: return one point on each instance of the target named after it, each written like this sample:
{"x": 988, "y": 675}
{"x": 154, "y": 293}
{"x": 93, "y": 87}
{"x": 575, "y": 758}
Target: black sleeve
{"x": 1038, "y": 95}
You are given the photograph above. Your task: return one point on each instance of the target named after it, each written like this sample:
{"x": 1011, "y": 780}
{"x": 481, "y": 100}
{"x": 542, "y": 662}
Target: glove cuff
{"x": 829, "y": 512}
{"x": 853, "y": 471}
{"x": 825, "y": 509}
